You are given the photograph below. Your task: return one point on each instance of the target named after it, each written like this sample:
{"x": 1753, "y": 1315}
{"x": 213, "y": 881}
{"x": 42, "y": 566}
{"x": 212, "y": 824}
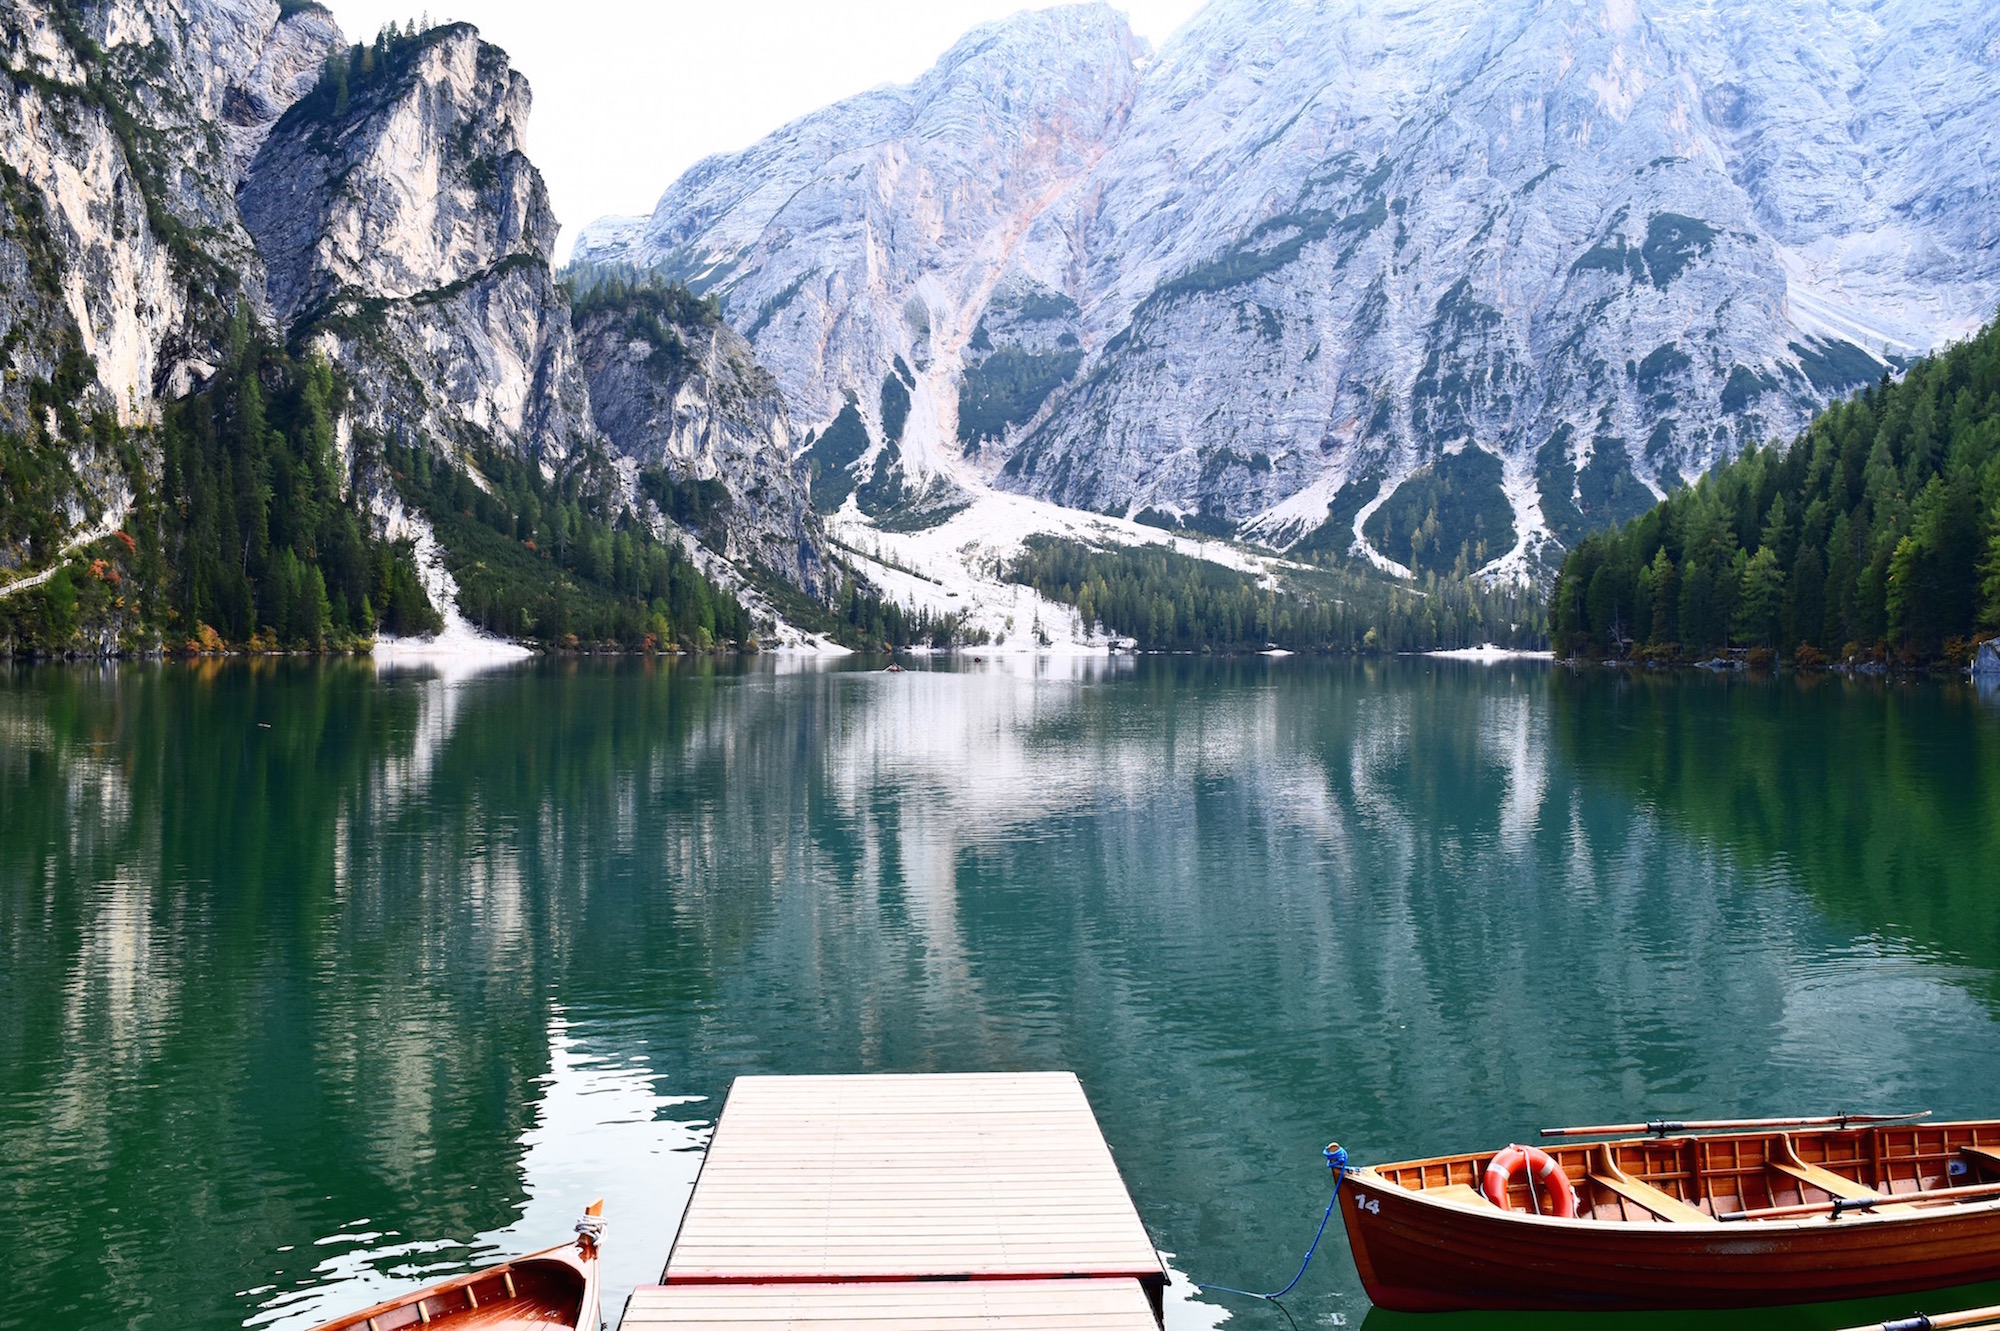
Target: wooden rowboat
{"x": 1686, "y": 1220}
{"x": 544, "y": 1290}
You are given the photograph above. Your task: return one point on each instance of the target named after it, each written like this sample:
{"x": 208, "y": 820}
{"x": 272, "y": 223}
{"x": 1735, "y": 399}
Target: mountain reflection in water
{"x": 325, "y": 981}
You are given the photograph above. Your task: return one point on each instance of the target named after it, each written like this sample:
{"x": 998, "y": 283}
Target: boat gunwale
{"x": 562, "y": 1254}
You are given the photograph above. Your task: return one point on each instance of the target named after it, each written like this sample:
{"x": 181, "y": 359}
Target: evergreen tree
{"x": 1760, "y": 599}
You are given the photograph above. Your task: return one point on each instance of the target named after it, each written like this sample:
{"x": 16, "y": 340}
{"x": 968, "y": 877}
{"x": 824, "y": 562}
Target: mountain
{"x": 1440, "y": 286}
{"x": 125, "y": 130}
{"x": 680, "y": 395}
{"x": 286, "y": 364}
{"x": 859, "y": 249}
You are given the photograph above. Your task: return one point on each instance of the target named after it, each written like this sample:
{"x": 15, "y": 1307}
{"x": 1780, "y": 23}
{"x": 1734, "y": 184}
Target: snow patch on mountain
{"x": 458, "y": 641}
{"x": 959, "y": 567}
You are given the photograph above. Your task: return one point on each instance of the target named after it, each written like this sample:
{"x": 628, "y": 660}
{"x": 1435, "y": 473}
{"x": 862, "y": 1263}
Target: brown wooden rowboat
{"x": 1730, "y": 1220}
{"x": 553, "y": 1288}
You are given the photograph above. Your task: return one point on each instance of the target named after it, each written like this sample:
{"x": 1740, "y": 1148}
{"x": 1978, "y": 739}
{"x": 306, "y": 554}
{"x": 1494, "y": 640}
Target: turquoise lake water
{"x": 321, "y": 981}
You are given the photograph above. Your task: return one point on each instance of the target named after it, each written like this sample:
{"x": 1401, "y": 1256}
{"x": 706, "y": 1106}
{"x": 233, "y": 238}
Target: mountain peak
{"x": 1312, "y": 262}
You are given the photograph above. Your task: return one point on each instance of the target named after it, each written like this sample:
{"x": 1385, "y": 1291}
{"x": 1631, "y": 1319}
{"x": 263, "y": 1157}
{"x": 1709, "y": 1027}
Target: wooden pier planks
{"x": 879, "y": 1178}
{"x": 933, "y": 1305}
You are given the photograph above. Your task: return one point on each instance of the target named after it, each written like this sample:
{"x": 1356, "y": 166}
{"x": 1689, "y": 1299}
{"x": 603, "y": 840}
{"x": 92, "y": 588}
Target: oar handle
{"x": 1840, "y": 1205}
{"x": 1972, "y": 1316}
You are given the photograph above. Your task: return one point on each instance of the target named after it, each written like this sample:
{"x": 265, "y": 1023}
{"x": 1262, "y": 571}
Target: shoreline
{"x": 1487, "y": 653}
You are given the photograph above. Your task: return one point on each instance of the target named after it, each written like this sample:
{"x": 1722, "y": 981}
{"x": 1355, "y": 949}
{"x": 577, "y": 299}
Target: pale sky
{"x": 630, "y": 93}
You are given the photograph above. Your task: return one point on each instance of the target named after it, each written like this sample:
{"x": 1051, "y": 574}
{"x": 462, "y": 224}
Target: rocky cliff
{"x": 877, "y": 233}
{"x": 408, "y": 237}
{"x": 125, "y": 129}
{"x": 1424, "y": 283}
{"x": 680, "y": 395}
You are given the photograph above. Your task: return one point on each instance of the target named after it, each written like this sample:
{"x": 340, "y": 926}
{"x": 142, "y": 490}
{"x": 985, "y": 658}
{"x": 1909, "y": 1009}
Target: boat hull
{"x": 1416, "y": 1254}
{"x": 540, "y": 1292}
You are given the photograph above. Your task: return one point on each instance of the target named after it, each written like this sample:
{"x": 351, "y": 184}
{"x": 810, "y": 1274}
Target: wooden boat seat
{"x": 1982, "y": 1158}
{"x": 1667, "y": 1207}
{"x": 516, "y": 1314}
{"x": 1786, "y": 1161}
{"x": 1463, "y": 1194}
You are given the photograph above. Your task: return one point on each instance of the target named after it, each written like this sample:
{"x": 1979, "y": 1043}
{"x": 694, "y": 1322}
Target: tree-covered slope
{"x": 1876, "y": 534}
{"x": 1166, "y": 601}
{"x": 329, "y": 327}
{"x": 243, "y": 530}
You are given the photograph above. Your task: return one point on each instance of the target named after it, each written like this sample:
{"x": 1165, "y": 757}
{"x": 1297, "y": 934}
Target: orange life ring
{"x": 1539, "y": 1167}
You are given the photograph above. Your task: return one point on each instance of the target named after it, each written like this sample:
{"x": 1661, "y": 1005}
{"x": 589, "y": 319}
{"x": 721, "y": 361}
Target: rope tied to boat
{"x": 1336, "y": 1160}
{"x": 590, "y": 1230}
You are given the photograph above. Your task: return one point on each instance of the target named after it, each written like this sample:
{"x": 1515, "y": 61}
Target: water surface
{"x": 320, "y": 982}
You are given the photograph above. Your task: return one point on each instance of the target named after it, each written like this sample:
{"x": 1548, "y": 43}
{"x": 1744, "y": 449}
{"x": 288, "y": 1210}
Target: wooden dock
{"x": 960, "y": 1201}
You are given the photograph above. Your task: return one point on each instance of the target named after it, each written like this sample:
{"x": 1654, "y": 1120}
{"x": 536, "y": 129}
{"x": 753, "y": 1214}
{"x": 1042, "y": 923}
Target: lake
{"x": 320, "y": 981}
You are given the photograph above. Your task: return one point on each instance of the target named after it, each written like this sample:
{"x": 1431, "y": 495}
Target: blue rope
{"x": 1336, "y": 1160}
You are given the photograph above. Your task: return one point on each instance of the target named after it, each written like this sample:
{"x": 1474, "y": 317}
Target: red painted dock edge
{"x": 922, "y": 1305}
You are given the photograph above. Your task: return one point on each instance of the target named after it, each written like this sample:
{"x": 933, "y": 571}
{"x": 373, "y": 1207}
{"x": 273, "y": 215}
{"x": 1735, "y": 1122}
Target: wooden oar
{"x": 1971, "y": 1317}
{"x": 1842, "y": 1205}
{"x": 1668, "y": 1127}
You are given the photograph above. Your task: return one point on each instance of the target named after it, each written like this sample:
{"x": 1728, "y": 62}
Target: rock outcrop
{"x": 877, "y": 232}
{"x": 1387, "y": 279}
{"x": 408, "y": 236}
{"x": 184, "y": 179}
{"x": 679, "y": 393}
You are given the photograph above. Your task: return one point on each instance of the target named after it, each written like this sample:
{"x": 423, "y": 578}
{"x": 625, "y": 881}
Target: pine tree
{"x": 1761, "y": 598}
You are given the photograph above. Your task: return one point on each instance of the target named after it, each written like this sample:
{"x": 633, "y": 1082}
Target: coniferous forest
{"x": 1874, "y": 537}
{"x": 1166, "y": 601}
{"x": 250, "y": 539}
{"x": 557, "y": 561}
{"x": 254, "y": 538}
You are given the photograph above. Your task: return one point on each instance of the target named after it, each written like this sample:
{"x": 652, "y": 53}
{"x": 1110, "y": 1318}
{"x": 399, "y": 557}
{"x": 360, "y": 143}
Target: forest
{"x": 254, "y": 538}
{"x": 1165, "y": 601}
{"x": 250, "y": 539}
{"x": 557, "y": 562}
{"x": 1875, "y": 537}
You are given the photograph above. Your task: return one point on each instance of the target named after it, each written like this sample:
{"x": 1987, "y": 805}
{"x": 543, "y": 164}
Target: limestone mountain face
{"x": 272, "y": 305}
{"x": 408, "y": 236}
{"x": 1425, "y": 284}
{"x": 679, "y": 394}
{"x": 128, "y": 220}
{"x": 124, "y": 131}
{"x": 881, "y": 230}
{"x": 168, "y": 161}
